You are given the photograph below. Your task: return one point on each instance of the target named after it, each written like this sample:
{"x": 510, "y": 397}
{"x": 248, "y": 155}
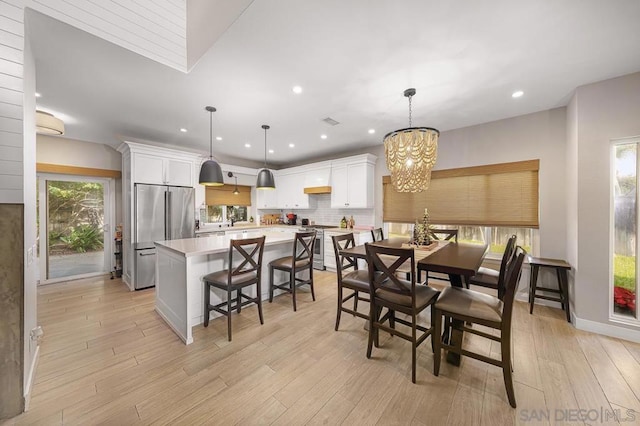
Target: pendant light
{"x": 265, "y": 177}
{"x": 210, "y": 171}
{"x": 231, "y": 175}
{"x": 411, "y": 154}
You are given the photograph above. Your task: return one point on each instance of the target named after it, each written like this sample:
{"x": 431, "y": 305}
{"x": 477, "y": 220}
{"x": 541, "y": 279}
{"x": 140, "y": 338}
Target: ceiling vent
{"x": 330, "y": 121}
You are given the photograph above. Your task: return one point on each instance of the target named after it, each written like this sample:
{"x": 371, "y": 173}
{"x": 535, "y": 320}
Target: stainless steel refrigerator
{"x": 161, "y": 213}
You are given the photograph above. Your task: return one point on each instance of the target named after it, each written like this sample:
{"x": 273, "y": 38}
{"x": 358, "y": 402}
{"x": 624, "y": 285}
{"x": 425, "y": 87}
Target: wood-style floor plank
{"x": 108, "y": 358}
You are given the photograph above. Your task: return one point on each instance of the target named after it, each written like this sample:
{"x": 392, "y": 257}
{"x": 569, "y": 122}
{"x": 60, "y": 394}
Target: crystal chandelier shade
{"x": 411, "y": 154}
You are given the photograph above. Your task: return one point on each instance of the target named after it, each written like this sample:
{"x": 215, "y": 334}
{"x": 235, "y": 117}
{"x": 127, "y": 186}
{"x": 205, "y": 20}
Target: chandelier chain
{"x": 409, "y": 110}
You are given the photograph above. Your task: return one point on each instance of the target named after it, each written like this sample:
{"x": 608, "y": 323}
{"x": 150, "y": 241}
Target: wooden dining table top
{"x": 460, "y": 259}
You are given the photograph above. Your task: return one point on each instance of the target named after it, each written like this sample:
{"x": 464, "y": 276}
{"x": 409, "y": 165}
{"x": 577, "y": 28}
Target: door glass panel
{"x": 625, "y": 230}
{"x": 75, "y": 228}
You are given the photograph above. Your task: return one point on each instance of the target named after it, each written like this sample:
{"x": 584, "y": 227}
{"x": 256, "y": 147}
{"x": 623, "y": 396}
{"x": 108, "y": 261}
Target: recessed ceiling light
{"x": 183, "y": 130}
{"x": 372, "y": 131}
{"x": 517, "y": 94}
{"x": 218, "y": 138}
{"x": 270, "y": 151}
{"x": 291, "y": 145}
{"x": 323, "y": 136}
{"x": 38, "y": 95}
{"x": 247, "y": 145}
{"x": 297, "y": 90}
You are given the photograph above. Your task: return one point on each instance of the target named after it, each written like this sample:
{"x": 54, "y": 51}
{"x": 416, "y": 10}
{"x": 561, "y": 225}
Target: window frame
{"x": 613, "y": 316}
{"x": 487, "y": 230}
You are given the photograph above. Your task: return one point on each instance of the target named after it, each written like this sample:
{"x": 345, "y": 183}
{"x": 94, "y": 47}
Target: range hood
{"x": 318, "y": 180}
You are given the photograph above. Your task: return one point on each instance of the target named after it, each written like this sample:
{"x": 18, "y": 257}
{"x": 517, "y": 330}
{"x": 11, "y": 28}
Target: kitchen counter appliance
{"x": 318, "y": 246}
{"x": 161, "y": 213}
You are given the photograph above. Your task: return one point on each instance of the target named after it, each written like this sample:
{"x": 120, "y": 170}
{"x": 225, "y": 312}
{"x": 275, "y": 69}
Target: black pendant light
{"x": 231, "y": 175}
{"x": 210, "y": 171}
{"x": 265, "y": 177}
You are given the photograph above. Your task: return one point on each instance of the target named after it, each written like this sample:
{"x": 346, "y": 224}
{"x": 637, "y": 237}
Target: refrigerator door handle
{"x": 169, "y": 216}
{"x": 167, "y": 223}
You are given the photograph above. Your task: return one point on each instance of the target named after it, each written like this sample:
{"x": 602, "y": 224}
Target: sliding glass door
{"x": 73, "y": 226}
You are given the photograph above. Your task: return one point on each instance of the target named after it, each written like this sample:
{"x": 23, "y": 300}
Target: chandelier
{"x": 411, "y": 154}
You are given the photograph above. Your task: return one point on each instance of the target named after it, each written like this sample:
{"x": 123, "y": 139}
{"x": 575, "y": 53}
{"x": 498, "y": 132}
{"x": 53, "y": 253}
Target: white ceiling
{"x": 353, "y": 59}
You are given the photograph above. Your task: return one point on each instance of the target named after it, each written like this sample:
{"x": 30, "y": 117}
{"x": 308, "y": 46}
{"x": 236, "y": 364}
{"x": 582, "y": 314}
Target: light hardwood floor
{"x": 108, "y": 358}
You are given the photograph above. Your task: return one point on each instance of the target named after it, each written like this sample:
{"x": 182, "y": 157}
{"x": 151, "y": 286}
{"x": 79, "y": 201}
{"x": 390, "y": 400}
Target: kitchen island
{"x": 181, "y": 264}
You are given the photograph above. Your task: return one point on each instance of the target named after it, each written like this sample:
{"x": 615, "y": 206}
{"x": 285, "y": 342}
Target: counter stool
{"x": 301, "y": 260}
{"x": 561, "y": 268}
{"x": 246, "y": 273}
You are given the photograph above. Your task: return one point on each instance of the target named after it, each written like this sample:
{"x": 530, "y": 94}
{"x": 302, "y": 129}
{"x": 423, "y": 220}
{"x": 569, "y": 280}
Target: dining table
{"x": 460, "y": 261}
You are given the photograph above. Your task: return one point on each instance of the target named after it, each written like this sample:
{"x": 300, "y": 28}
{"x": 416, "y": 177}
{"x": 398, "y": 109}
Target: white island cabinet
{"x": 181, "y": 264}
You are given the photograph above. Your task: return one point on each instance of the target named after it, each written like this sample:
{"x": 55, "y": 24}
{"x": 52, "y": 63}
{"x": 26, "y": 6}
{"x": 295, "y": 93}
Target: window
{"x": 223, "y": 214}
{"x": 487, "y": 204}
{"x": 494, "y": 236}
{"x": 624, "y": 233}
{"x": 504, "y": 195}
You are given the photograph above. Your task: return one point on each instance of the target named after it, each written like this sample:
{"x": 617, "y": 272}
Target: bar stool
{"x": 561, "y": 268}
{"x": 301, "y": 260}
{"x": 246, "y": 273}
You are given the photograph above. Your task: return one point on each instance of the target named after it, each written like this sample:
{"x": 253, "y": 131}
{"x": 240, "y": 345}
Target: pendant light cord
{"x": 265, "y": 127}
{"x": 211, "y": 134}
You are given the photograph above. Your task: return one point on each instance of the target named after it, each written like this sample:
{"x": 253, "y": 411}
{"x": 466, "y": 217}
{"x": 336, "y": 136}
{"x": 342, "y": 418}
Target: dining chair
{"x": 444, "y": 234}
{"x": 441, "y": 234}
{"x": 246, "y": 272}
{"x": 356, "y": 280}
{"x": 300, "y": 261}
{"x": 377, "y": 234}
{"x": 397, "y": 295}
{"x": 469, "y": 306}
{"x": 490, "y": 278}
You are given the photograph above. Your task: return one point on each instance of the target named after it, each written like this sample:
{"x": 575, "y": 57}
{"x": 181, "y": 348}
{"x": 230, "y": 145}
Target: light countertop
{"x": 190, "y": 247}
{"x": 347, "y": 230}
{"x": 238, "y": 226}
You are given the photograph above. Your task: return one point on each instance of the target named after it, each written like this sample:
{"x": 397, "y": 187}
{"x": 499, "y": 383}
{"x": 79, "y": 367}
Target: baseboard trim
{"x": 30, "y": 378}
{"x": 606, "y": 329}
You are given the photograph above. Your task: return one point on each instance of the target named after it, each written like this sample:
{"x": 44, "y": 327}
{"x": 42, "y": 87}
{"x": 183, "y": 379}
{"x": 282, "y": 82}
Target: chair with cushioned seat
{"x": 357, "y": 280}
{"x": 247, "y": 272}
{"x": 441, "y": 234}
{"x": 490, "y": 278}
{"x": 377, "y": 234}
{"x": 300, "y": 261}
{"x": 469, "y": 306}
{"x": 397, "y": 295}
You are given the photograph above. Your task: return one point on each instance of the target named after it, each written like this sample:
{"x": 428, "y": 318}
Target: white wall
{"x": 71, "y": 152}
{"x": 11, "y": 90}
{"x": 605, "y": 110}
{"x": 539, "y": 135}
{"x": 30, "y": 214}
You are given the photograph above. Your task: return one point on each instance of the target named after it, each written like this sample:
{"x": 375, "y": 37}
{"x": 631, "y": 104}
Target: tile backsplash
{"x": 321, "y": 213}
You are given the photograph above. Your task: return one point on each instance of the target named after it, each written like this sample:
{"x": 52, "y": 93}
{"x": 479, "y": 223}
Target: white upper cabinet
{"x": 159, "y": 170}
{"x": 290, "y": 188}
{"x": 268, "y": 198}
{"x": 352, "y": 182}
{"x": 178, "y": 172}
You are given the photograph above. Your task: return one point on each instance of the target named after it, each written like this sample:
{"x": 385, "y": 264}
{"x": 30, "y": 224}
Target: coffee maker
{"x": 292, "y": 219}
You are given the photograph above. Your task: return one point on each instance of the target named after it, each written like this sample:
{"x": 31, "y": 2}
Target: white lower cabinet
{"x": 360, "y": 237}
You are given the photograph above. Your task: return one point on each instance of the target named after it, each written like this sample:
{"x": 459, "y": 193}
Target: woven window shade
{"x": 224, "y": 196}
{"x": 493, "y": 195}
